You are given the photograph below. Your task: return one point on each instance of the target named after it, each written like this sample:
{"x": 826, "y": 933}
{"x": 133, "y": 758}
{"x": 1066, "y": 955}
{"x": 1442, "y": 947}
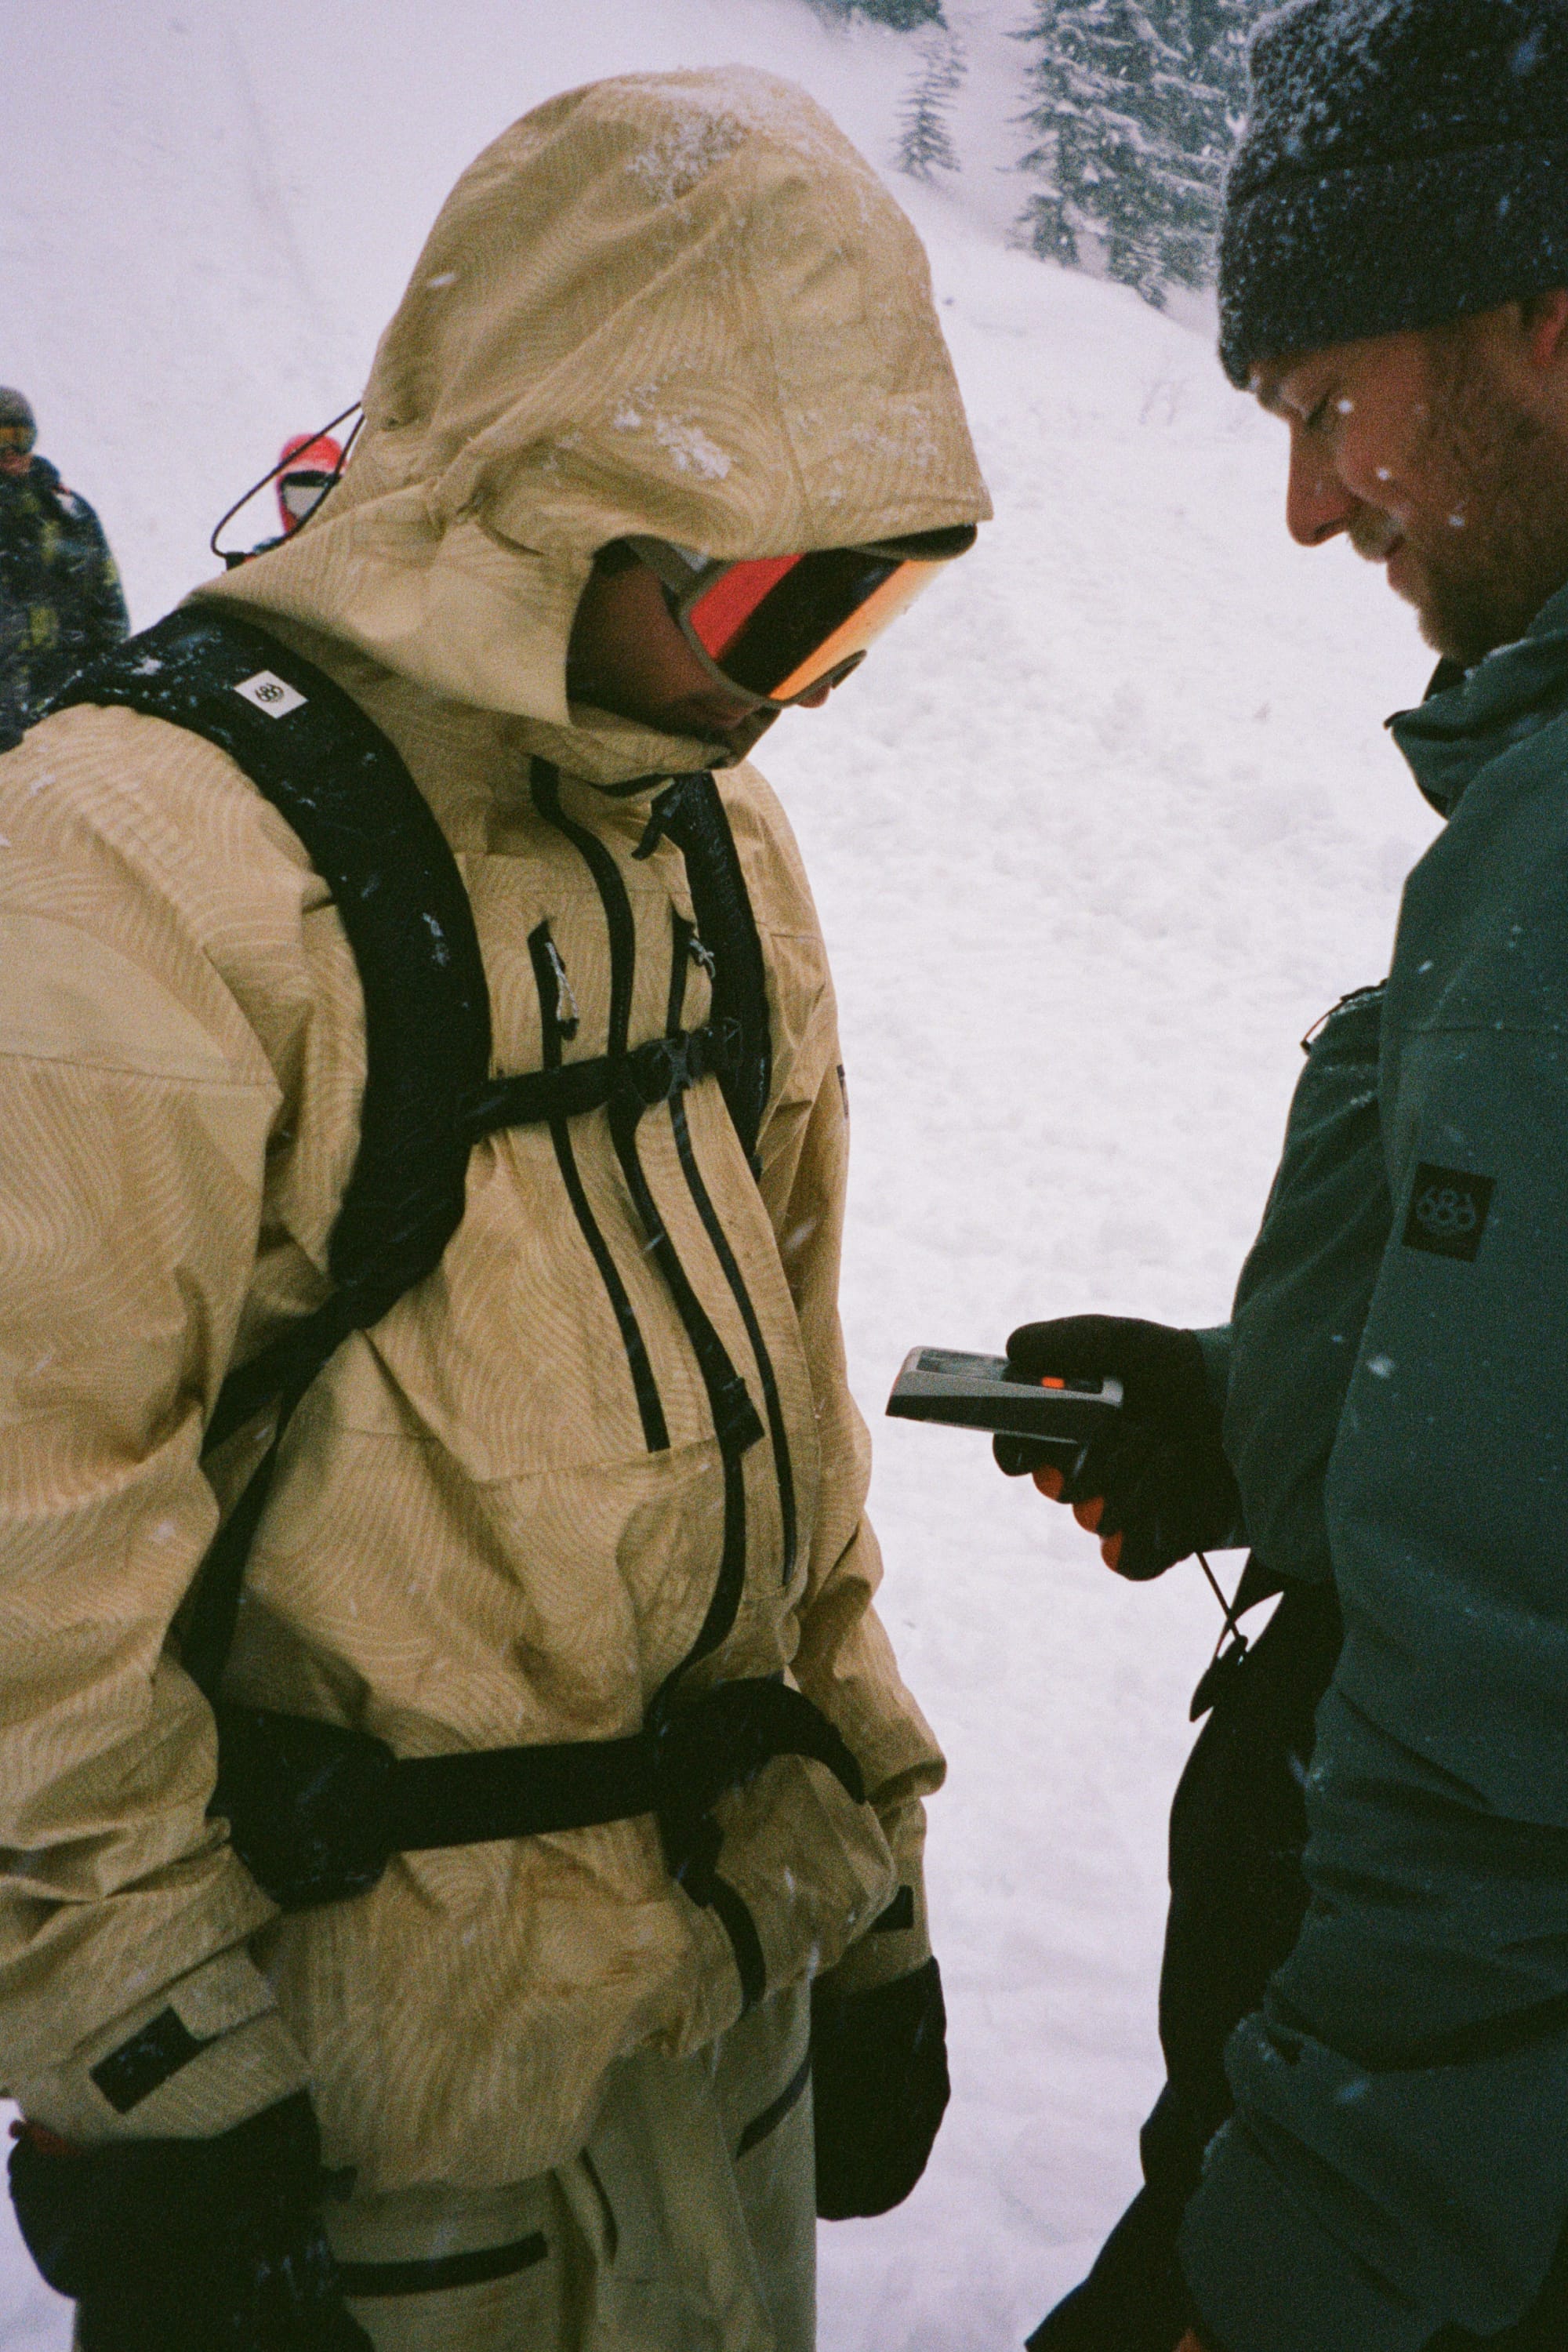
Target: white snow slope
{"x": 1099, "y": 831}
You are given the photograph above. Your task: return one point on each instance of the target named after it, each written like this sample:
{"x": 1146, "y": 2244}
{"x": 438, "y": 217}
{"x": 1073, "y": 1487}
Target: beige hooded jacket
{"x": 680, "y": 305}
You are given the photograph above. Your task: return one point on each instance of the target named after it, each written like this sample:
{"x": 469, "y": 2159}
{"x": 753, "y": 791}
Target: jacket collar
{"x": 1470, "y": 717}
{"x": 39, "y": 476}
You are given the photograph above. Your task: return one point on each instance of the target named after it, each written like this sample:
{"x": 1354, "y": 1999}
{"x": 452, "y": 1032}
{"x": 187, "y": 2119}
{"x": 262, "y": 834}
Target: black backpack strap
{"x": 369, "y": 834}
{"x": 317, "y": 1810}
{"x": 649, "y": 1073}
{"x": 691, "y": 813}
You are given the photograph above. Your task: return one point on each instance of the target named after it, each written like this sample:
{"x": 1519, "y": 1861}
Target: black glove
{"x": 189, "y": 2245}
{"x": 1159, "y": 1475}
{"x": 1135, "y": 2298}
{"x": 878, "y": 2075}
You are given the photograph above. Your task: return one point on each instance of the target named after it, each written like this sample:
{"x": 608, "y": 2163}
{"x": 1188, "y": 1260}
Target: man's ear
{"x": 1545, "y": 320}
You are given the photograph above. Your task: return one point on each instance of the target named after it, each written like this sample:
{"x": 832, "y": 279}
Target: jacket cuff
{"x": 1266, "y": 2276}
{"x": 899, "y": 1940}
{"x": 201, "y": 2055}
{"x": 1214, "y": 1346}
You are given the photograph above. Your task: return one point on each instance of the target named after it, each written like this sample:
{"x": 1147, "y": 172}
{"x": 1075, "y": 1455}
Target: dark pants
{"x": 1238, "y": 1827}
{"x": 1237, "y": 1895}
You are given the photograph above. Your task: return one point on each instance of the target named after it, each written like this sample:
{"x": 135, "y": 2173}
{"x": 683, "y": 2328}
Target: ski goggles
{"x": 779, "y": 626}
{"x": 16, "y": 437}
{"x": 302, "y": 493}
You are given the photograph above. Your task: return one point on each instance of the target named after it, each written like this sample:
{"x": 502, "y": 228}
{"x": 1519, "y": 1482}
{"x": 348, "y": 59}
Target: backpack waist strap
{"x": 316, "y": 1811}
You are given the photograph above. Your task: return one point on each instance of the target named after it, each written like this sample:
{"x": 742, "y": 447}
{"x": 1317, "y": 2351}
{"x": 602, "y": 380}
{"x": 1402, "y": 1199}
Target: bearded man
{"x": 1362, "y": 2144}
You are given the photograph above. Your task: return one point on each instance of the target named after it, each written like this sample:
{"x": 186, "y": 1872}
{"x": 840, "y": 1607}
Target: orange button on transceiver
{"x": 1049, "y": 1380}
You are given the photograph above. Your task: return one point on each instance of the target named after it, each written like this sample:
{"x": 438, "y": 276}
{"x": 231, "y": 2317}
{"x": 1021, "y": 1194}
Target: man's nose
{"x": 1317, "y": 505}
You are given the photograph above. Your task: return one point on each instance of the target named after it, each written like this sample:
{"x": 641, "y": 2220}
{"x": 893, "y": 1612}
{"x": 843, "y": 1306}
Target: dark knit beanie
{"x": 15, "y": 409}
{"x": 1405, "y": 162}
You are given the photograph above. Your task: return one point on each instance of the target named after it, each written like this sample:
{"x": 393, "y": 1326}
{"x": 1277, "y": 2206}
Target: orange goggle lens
{"x": 778, "y": 626}
{"x": 16, "y": 437}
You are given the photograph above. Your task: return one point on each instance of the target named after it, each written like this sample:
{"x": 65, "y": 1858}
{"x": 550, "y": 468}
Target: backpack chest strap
{"x": 649, "y": 1073}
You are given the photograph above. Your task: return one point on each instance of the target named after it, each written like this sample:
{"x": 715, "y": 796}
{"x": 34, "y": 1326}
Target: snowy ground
{"x": 1096, "y": 836}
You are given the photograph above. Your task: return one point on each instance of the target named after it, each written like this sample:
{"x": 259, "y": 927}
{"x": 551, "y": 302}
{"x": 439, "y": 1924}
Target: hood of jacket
{"x": 1471, "y": 716}
{"x": 677, "y": 304}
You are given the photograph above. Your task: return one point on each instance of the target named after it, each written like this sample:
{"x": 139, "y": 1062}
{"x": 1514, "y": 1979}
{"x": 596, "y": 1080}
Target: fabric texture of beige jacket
{"x": 680, "y": 305}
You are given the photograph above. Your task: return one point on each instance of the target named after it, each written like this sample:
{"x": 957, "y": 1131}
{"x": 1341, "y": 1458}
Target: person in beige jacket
{"x": 674, "y": 307}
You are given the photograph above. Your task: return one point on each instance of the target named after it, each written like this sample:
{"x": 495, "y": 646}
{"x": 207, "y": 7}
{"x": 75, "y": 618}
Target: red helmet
{"x": 306, "y": 467}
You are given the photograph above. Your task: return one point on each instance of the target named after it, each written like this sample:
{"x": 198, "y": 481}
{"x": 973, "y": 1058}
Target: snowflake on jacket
{"x": 60, "y": 600}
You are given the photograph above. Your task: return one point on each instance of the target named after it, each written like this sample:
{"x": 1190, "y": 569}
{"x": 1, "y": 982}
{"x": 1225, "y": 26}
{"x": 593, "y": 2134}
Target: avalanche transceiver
{"x": 979, "y": 1392}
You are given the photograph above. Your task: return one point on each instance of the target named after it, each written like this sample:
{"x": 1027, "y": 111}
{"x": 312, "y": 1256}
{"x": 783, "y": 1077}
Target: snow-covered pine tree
{"x": 1136, "y": 105}
{"x": 903, "y": 15}
{"x": 925, "y": 142}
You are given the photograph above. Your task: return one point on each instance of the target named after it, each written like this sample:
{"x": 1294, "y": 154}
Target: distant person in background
{"x": 60, "y": 600}
{"x": 308, "y": 465}
{"x": 1362, "y": 2142}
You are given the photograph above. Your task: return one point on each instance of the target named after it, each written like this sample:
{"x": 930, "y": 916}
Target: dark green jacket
{"x": 1397, "y": 1411}
{"x": 61, "y": 600}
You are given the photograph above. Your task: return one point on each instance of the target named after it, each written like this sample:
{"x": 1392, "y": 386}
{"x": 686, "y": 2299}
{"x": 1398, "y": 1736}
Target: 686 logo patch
{"x": 271, "y": 693}
{"x": 1448, "y": 1209}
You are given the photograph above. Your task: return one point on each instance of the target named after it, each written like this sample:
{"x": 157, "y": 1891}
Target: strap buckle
{"x": 714, "y": 1745}
{"x": 665, "y": 1066}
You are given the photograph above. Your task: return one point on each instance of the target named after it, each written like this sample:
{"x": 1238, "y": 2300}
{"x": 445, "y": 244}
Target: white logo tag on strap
{"x": 270, "y": 693}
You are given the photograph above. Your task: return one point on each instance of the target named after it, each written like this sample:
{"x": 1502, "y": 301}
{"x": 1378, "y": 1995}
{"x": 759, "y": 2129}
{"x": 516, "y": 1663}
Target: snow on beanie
{"x": 17, "y": 410}
{"x": 1405, "y": 162}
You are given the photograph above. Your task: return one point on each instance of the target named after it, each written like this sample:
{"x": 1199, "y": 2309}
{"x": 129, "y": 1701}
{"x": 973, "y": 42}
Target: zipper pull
{"x": 703, "y": 954}
{"x": 567, "y": 1016}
